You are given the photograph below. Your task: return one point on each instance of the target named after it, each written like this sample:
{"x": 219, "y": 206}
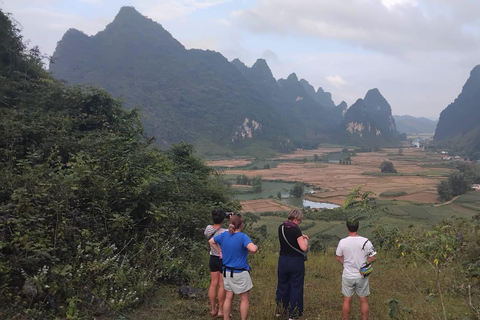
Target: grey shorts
{"x": 360, "y": 285}
{"x": 239, "y": 283}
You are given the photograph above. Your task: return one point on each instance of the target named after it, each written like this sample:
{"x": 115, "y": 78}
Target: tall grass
{"x": 412, "y": 285}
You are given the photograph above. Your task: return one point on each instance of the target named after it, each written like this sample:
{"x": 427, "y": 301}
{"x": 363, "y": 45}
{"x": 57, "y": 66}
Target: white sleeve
{"x": 339, "y": 251}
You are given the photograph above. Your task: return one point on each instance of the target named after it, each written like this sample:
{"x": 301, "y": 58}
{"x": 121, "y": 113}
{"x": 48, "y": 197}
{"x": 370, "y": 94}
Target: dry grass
{"x": 323, "y": 298}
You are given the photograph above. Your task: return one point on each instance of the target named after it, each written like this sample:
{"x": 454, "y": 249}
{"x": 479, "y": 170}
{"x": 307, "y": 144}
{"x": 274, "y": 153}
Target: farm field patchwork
{"x": 417, "y": 176}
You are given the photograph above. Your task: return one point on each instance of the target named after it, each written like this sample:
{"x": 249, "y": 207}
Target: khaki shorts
{"x": 239, "y": 283}
{"x": 360, "y": 285}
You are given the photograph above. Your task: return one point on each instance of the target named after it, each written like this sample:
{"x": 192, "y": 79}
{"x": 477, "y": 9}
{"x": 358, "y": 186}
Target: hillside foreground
{"x": 413, "y": 287}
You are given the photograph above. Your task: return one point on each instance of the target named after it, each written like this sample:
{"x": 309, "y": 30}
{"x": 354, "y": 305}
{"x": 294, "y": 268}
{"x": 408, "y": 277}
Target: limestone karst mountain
{"x": 459, "y": 125}
{"x": 195, "y": 95}
{"x": 371, "y": 119}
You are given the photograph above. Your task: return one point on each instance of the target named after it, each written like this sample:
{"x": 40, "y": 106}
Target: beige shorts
{"x": 239, "y": 283}
{"x": 360, "y": 285}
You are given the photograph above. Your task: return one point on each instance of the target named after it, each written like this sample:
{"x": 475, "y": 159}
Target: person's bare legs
{"x": 347, "y": 302}
{"x": 221, "y": 294}
{"x": 227, "y": 305}
{"x": 364, "y": 307}
{"x": 244, "y": 305}
{"x": 212, "y": 291}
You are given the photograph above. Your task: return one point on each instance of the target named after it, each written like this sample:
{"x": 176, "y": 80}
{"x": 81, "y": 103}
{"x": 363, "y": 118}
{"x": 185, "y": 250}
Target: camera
{"x": 228, "y": 214}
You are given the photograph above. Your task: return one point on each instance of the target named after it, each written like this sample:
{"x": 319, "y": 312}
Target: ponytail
{"x": 236, "y": 222}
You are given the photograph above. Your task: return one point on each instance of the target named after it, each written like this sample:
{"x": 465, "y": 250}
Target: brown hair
{"x": 236, "y": 222}
{"x": 295, "y": 214}
{"x": 353, "y": 224}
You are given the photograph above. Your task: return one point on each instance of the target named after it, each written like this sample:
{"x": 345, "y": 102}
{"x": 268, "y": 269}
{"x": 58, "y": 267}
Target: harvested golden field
{"x": 334, "y": 181}
{"x": 263, "y": 205}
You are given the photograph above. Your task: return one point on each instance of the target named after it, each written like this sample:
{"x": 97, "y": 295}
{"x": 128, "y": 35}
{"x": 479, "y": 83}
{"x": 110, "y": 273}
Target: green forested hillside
{"x": 458, "y": 127}
{"x": 189, "y": 95}
{"x": 369, "y": 121}
{"x": 91, "y": 216}
{"x": 198, "y": 96}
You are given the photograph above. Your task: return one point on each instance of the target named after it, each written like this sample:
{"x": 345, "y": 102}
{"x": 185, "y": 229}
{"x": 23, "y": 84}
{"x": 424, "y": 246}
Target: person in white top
{"x": 352, "y": 253}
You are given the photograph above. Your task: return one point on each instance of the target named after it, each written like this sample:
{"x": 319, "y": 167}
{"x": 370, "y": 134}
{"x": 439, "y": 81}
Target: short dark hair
{"x": 218, "y": 215}
{"x": 352, "y": 224}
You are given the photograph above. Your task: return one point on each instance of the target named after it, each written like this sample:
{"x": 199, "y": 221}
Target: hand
{"x": 305, "y": 237}
{"x": 220, "y": 256}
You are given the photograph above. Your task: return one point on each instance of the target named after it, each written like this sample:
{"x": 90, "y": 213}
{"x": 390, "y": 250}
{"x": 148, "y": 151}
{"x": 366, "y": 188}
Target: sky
{"x": 418, "y": 53}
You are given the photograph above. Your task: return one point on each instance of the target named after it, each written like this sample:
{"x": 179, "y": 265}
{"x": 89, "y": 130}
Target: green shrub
{"x": 393, "y": 194}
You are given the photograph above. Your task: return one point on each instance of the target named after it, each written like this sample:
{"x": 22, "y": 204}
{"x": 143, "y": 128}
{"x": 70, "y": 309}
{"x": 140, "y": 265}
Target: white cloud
{"x": 391, "y": 4}
{"x": 336, "y": 81}
{"x": 366, "y": 23}
{"x": 94, "y": 2}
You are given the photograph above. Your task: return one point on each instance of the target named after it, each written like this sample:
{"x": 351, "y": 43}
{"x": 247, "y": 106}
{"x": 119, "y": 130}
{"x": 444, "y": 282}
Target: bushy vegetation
{"x": 91, "y": 217}
{"x": 297, "y": 190}
{"x": 393, "y": 194}
{"x": 387, "y": 167}
{"x": 459, "y": 182}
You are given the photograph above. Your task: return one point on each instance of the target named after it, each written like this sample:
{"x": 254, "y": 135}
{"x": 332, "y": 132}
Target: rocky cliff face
{"x": 371, "y": 118}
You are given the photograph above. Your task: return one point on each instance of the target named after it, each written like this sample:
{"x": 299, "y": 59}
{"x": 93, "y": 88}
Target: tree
{"x": 459, "y": 182}
{"x": 256, "y": 183}
{"x": 387, "y": 167}
{"x": 297, "y": 190}
{"x": 315, "y": 157}
{"x": 400, "y": 151}
{"x": 444, "y": 190}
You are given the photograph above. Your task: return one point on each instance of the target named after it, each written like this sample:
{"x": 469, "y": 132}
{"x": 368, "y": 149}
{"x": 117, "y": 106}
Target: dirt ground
{"x": 336, "y": 181}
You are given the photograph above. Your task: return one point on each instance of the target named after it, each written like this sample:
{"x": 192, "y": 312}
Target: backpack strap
{"x": 283, "y": 233}
{"x": 216, "y": 230}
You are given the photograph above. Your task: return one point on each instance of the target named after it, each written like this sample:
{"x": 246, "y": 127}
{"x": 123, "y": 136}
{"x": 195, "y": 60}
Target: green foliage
{"x": 393, "y": 194}
{"x": 450, "y": 242}
{"x": 387, "y": 167}
{"x": 457, "y": 183}
{"x": 91, "y": 216}
{"x": 297, "y": 190}
{"x": 256, "y": 183}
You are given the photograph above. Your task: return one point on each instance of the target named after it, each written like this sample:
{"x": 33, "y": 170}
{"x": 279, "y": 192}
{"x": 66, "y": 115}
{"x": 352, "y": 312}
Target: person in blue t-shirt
{"x": 235, "y": 246}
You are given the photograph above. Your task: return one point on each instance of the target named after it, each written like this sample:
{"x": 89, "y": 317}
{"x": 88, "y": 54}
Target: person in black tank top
{"x": 291, "y": 266}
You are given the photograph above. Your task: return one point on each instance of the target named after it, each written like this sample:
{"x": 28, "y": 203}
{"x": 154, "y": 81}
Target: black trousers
{"x": 291, "y": 276}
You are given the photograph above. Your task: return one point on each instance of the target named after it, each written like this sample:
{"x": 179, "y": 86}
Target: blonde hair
{"x": 236, "y": 222}
{"x": 295, "y": 214}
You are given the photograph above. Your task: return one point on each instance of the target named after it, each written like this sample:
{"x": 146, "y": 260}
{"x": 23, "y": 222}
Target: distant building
{"x": 476, "y": 187}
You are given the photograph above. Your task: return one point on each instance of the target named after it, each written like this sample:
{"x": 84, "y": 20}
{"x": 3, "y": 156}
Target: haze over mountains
{"x": 409, "y": 124}
{"x": 200, "y": 97}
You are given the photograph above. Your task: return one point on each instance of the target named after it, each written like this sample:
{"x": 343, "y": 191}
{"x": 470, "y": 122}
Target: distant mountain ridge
{"x": 199, "y": 96}
{"x": 459, "y": 123}
{"x": 408, "y": 124}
